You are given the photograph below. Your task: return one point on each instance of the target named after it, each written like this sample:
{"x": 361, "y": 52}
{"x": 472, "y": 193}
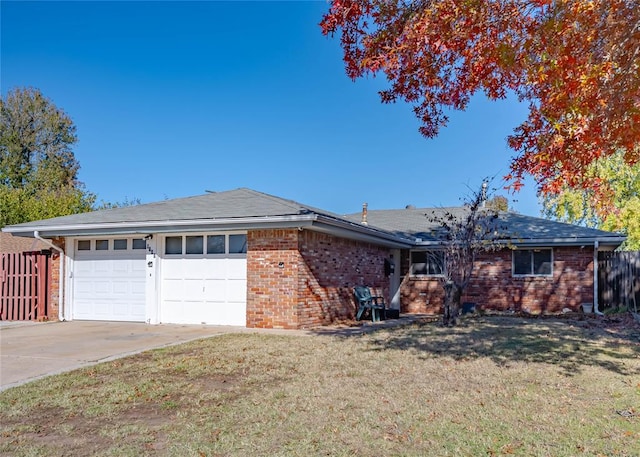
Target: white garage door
{"x": 204, "y": 280}
{"x": 109, "y": 280}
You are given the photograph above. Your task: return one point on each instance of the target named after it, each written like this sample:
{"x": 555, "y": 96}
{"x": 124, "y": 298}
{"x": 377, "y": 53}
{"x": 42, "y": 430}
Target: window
{"x": 138, "y": 243}
{"x": 237, "y": 244}
{"x": 427, "y": 263}
{"x": 84, "y": 245}
{"x": 102, "y": 245}
{"x": 194, "y": 245}
{"x": 119, "y": 245}
{"x": 532, "y": 262}
{"x": 173, "y": 245}
{"x": 215, "y": 244}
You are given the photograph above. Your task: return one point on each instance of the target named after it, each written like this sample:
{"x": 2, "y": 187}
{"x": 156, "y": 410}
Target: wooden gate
{"x": 619, "y": 279}
{"x": 24, "y": 286}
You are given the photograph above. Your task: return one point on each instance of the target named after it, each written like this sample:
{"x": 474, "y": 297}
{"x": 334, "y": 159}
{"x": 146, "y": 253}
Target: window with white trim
{"x": 533, "y": 262}
{"x": 206, "y": 244}
{"x": 238, "y": 244}
{"x": 173, "y": 245}
{"x": 216, "y": 244}
{"x": 194, "y": 245}
{"x": 427, "y": 263}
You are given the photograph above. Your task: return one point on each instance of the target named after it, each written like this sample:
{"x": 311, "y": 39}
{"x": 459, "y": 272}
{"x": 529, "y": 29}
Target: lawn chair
{"x": 366, "y": 301}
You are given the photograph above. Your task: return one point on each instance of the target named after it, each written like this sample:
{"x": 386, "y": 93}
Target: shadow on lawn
{"x": 569, "y": 344}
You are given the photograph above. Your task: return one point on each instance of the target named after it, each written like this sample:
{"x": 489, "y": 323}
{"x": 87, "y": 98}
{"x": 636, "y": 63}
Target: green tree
{"x": 38, "y": 170}
{"x": 576, "y": 206}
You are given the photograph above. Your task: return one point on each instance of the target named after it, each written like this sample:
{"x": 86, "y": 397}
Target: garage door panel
{"x": 109, "y": 285}
{"x": 215, "y": 290}
{"x": 121, "y": 266}
{"x": 192, "y": 289}
{"x": 101, "y": 266}
{"x": 216, "y": 268}
{"x": 237, "y": 290}
{"x": 101, "y": 287}
{"x": 237, "y": 269}
{"x": 138, "y": 289}
{"x": 211, "y": 313}
{"x": 138, "y": 267}
{"x": 207, "y": 292}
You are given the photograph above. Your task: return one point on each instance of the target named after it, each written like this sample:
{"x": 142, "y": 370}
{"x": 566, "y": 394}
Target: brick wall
{"x": 330, "y": 268}
{"x": 54, "y": 285}
{"x": 272, "y": 278}
{"x": 493, "y": 286}
{"x": 301, "y": 279}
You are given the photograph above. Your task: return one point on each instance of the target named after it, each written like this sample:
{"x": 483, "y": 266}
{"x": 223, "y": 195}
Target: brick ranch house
{"x": 246, "y": 258}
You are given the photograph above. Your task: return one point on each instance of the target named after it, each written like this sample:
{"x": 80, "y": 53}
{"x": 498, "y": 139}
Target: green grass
{"x": 493, "y": 386}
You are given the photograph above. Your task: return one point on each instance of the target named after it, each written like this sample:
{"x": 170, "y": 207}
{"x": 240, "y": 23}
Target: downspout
{"x": 595, "y": 279}
{"x": 37, "y": 236}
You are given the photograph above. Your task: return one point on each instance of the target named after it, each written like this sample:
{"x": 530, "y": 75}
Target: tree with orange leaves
{"x": 575, "y": 62}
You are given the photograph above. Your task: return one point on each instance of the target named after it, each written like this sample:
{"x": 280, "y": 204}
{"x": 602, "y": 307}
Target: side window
{"x": 194, "y": 245}
{"x": 521, "y": 262}
{"x": 173, "y": 245}
{"x": 427, "y": 263}
{"x": 532, "y": 262}
{"x": 215, "y": 244}
{"x": 84, "y": 245}
{"x": 237, "y": 244}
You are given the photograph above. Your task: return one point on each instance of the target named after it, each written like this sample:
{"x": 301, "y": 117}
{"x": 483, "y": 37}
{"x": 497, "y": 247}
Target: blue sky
{"x": 174, "y": 98}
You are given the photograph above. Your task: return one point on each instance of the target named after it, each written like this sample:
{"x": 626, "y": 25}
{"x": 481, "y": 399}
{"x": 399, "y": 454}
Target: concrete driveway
{"x": 31, "y": 350}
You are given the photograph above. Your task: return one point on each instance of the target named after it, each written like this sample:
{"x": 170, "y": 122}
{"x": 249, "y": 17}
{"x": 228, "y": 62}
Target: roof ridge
{"x": 291, "y": 203}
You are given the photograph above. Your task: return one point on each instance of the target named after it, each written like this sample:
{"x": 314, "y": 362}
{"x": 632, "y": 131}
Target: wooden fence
{"x": 24, "y": 286}
{"x": 619, "y": 279}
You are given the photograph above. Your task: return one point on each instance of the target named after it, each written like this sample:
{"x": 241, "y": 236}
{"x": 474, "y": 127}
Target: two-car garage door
{"x": 200, "y": 279}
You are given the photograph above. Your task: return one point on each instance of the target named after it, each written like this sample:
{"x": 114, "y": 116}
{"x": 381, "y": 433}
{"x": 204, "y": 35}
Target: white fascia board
{"x": 123, "y": 228}
{"x": 576, "y": 241}
{"x": 351, "y": 230}
{"x": 614, "y": 241}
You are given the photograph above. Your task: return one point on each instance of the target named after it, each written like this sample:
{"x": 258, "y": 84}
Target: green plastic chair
{"x": 366, "y": 301}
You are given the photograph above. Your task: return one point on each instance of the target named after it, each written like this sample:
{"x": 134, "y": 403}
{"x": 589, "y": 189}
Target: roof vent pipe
{"x": 364, "y": 214}
{"x": 483, "y": 195}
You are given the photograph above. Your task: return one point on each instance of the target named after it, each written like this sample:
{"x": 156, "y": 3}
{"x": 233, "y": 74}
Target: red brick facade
{"x": 301, "y": 279}
{"x": 493, "y": 287}
{"x": 54, "y": 285}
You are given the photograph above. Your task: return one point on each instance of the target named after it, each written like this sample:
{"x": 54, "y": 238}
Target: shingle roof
{"x": 238, "y": 209}
{"x": 248, "y": 208}
{"x": 417, "y": 223}
{"x": 10, "y": 244}
{"x": 238, "y": 203}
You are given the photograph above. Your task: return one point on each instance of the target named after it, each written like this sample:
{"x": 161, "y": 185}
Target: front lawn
{"x": 493, "y": 386}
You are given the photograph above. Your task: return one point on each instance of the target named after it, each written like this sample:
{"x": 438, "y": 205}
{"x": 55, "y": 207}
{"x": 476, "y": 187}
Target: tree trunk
{"x": 452, "y": 296}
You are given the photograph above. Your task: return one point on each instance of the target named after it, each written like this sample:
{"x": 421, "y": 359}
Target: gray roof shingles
{"x": 416, "y": 223}
{"x": 411, "y": 223}
{"x": 238, "y": 203}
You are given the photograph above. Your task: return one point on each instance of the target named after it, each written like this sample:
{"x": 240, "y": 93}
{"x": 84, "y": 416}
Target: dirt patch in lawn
{"x": 493, "y": 386}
